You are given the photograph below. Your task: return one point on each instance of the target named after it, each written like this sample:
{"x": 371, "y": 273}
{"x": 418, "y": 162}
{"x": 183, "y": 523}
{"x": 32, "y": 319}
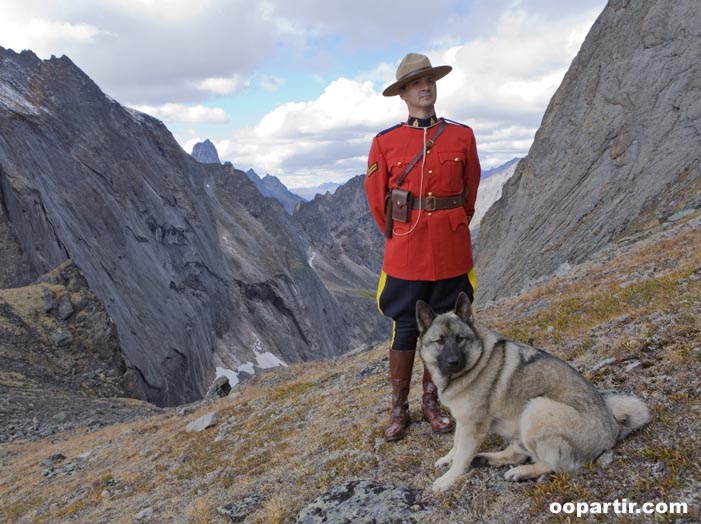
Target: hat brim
{"x": 437, "y": 72}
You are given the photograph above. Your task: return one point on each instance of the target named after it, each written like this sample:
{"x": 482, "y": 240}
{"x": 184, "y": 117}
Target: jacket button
{"x": 457, "y": 159}
{"x": 430, "y": 214}
{"x": 399, "y": 163}
{"x": 430, "y": 194}
{"x": 430, "y": 171}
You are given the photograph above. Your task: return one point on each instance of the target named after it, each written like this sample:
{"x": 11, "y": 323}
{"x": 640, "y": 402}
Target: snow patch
{"x": 228, "y": 373}
{"x": 267, "y": 361}
{"x": 264, "y": 360}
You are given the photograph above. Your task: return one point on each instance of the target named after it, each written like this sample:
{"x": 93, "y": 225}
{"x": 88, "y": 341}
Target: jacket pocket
{"x": 396, "y": 167}
{"x": 458, "y": 218}
{"x": 452, "y": 170}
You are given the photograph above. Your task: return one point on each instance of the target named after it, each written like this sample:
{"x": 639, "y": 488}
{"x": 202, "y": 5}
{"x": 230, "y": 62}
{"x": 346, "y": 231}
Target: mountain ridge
{"x": 220, "y": 273}
{"x": 617, "y": 150}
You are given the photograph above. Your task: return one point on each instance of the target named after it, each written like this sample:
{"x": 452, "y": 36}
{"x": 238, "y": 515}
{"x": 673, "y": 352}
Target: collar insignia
{"x": 422, "y": 122}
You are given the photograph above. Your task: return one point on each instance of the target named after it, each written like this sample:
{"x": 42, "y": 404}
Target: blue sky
{"x": 293, "y": 88}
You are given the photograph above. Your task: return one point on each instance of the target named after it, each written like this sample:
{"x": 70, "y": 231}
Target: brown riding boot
{"x": 401, "y": 364}
{"x": 433, "y": 413}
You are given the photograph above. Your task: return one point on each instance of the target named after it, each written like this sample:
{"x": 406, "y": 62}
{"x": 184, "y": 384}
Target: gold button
{"x": 430, "y": 171}
{"x": 430, "y": 214}
{"x": 399, "y": 163}
{"x": 428, "y": 152}
{"x": 430, "y": 194}
{"x": 457, "y": 159}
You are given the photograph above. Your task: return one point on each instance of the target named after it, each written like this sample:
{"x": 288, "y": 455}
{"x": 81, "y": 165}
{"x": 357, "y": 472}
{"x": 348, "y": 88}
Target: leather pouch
{"x": 401, "y": 205}
{"x": 389, "y": 223}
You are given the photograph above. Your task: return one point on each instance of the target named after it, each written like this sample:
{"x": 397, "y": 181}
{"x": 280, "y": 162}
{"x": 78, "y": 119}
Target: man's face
{"x": 420, "y": 94}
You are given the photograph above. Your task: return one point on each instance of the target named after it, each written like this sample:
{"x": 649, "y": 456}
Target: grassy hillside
{"x": 630, "y": 321}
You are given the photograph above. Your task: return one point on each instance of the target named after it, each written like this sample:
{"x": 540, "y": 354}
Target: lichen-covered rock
{"x": 220, "y": 388}
{"x": 365, "y": 502}
{"x": 238, "y": 511}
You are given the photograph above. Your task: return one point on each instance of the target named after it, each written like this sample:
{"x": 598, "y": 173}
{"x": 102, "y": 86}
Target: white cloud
{"x": 508, "y": 58}
{"x": 52, "y": 30}
{"x": 46, "y": 36}
{"x": 344, "y": 105}
{"x": 327, "y": 138}
{"x": 171, "y": 11}
{"x": 189, "y": 144}
{"x": 178, "y": 113}
{"x": 501, "y": 84}
{"x": 271, "y": 83}
{"x": 222, "y": 86}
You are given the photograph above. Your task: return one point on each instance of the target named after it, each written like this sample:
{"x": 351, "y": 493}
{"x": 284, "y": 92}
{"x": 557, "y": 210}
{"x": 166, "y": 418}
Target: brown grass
{"x": 294, "y": 432}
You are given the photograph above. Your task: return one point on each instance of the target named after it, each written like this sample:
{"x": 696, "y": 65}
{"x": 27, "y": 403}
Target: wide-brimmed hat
{"x": 414, "y": 66}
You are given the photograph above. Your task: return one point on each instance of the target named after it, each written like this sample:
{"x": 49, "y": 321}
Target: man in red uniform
{"x": 432, "y": 165}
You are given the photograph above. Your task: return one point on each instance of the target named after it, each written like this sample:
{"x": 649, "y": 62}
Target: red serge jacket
{"x": 434, "y": 245}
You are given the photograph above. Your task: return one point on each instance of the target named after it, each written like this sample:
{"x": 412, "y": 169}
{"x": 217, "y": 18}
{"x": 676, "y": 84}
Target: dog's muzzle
{"x": 452, "y": 359}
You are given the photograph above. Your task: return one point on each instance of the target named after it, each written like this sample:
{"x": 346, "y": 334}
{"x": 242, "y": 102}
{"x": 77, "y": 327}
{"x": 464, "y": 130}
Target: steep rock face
{"x": 59, "y": 354}
{"x": 15, "y": 269}
{"x": 196, "y": 269}
{"x": 490, "y": 190}
{"x": 345, "y": 248}
{"x": 205, "y": 152}
{"x": 271, "y": 187}
{"x": 617, "y": 151}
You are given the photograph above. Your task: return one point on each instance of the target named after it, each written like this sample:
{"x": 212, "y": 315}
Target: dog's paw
{"x": 445, "y": 461}
{"x": 444, "y": 483}
{"x": 527, "y": 471}
{"x": 480, "y": 461}
{"x": 514, "y": 475}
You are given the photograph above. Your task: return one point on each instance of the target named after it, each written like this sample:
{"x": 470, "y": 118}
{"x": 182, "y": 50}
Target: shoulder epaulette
{"x": 457, "y": 123}
{"x": 389, "y": 129}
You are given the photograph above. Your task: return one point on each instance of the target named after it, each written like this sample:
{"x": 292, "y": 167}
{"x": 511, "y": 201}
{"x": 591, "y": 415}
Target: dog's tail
{"x": 629, "y": 411}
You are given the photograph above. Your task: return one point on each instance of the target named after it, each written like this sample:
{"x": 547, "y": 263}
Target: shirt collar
{"x": 422, "y": 122}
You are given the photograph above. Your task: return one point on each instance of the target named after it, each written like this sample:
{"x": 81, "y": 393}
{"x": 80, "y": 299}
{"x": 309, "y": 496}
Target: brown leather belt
{"x": 434, "y": 203}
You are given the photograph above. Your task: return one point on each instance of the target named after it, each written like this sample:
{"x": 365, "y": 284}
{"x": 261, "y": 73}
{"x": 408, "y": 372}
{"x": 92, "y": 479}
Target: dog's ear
{"x": 424, "y": 315}
{"x": 463, "y": 308}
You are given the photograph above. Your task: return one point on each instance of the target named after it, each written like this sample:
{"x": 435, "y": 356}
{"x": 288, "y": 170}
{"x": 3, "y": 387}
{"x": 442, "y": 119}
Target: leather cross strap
{"x": 433, "y": 203}
{"x": 439, "y": 131}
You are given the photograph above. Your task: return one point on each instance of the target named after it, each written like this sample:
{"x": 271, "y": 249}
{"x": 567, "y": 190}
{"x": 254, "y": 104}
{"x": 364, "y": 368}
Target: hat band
{"x": 411, "y": 73}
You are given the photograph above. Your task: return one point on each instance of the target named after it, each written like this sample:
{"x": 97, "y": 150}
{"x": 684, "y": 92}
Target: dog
{"x": 545, "y": 409}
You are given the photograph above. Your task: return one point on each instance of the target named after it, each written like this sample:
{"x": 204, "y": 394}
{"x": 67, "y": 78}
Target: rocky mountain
{"x": 61, "y": 364}
{"x": 506, "y": 166}
{"x": 308, "y": 193}
{"x": 491, "y": 182}
{"x": 617, "y": 151}
{"x": 346, "y": 249}
{"x": 205, "y": 152}
{"x": 196, "y": 269}
{"x": 271, "y": 187}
